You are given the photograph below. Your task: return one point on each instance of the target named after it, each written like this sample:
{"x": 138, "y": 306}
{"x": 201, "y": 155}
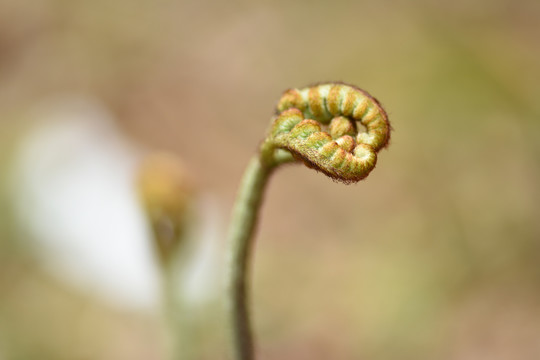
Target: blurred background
{"x": 436, "y": 255}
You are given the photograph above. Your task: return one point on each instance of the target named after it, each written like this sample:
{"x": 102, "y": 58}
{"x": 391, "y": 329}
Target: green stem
{"x": 243, "y": 223}
{"x": 170, "y": 309}
{"x": 180, "y": 340}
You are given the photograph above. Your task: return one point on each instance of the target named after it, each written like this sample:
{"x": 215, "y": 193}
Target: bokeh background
{"x": 436, "y": 255}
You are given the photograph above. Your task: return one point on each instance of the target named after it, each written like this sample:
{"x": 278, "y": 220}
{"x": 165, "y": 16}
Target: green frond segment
{"x": 286, "y": 121}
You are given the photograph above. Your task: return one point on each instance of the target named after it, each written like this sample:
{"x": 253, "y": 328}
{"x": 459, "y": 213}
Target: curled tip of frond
{"x": 164, "y": 182}
{"x": 166, "y": 193}
{"x": 319, "y": 126}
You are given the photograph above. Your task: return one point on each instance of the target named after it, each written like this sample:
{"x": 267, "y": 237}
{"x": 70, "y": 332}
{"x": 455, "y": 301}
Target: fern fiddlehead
{"x": 318, "y": 126}
{"x": 167, "y": 196}
{"x": 341, "y": 152}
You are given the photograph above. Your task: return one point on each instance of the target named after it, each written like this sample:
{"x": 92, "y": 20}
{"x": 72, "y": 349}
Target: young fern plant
{"x": 167, "y": 195}
{"x": 316, "y": 125}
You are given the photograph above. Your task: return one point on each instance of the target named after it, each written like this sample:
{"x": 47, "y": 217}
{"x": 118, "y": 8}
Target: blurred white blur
{"x": 74, "y": 192}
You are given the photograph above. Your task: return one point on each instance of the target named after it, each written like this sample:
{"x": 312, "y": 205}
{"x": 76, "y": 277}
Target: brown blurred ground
{"x": 435, "y": 256}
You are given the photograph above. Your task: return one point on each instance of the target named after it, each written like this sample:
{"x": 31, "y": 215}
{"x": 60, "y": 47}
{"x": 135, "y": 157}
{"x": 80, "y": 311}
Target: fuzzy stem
{"x": 179, "y": 343}
{"x": 170, "y": 309}
{"x": 243, "y": 223}
{"x": 181, "y": 337}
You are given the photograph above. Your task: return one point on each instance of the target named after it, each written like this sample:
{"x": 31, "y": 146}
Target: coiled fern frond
{"x": 319, "y": 125}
